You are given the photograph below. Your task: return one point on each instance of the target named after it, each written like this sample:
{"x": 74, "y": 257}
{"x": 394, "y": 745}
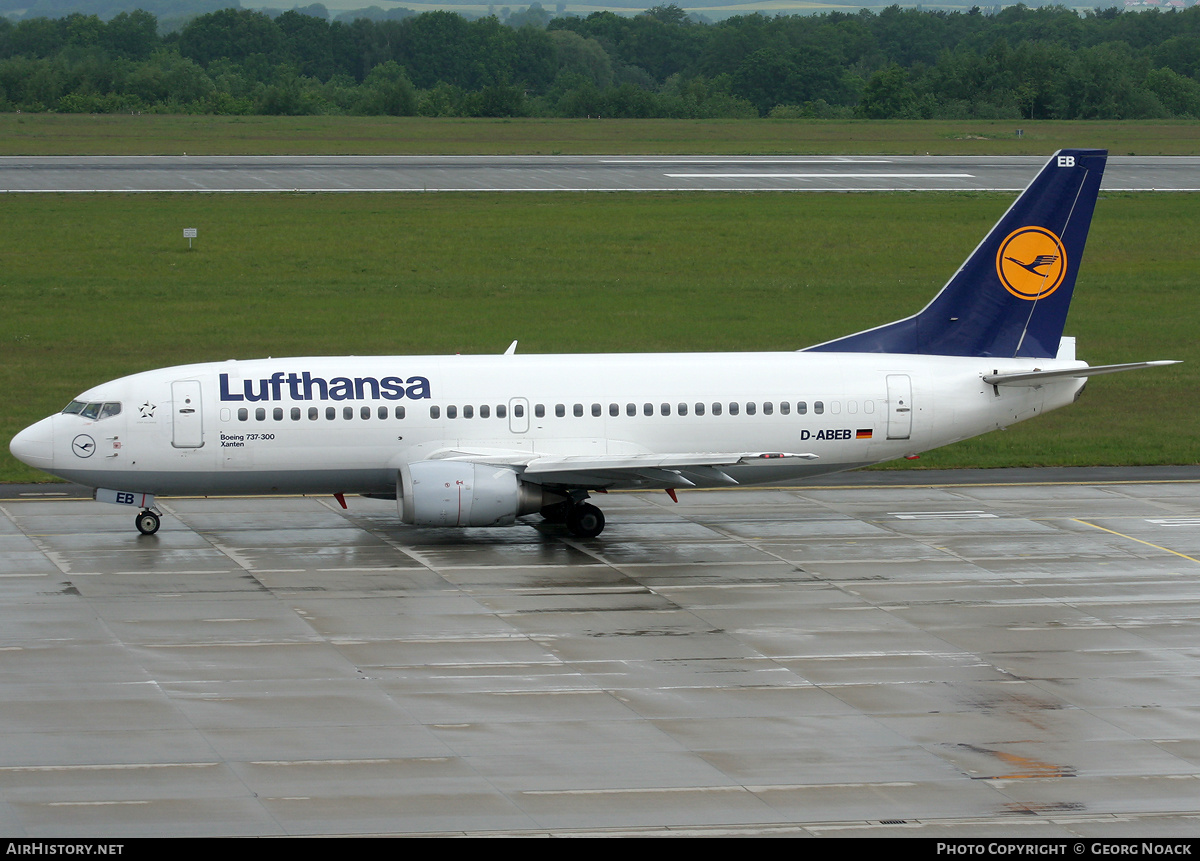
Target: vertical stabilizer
{"x": 1010, "y": 298}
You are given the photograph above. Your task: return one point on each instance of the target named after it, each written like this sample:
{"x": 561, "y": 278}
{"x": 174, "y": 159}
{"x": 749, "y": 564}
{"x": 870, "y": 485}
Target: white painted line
{"x": 821, "y": 175}
{"x": 746, "y": 160}
{"x": 940, "y": 515}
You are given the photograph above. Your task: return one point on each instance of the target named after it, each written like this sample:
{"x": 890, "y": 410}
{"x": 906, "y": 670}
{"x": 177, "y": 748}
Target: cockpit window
{"x": 95, "y": 410}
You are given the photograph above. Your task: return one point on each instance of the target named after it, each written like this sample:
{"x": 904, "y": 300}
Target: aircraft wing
{"x": 685, "y": 469}
{"x": 1036, "y": 378}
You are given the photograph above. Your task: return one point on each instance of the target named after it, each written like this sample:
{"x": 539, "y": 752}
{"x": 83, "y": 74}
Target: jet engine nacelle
{"x": 454, "y": 493}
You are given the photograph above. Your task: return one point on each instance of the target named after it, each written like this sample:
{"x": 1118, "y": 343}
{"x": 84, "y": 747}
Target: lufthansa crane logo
{"x": 1031, "y": 263}
{"x": 83, "y": 446}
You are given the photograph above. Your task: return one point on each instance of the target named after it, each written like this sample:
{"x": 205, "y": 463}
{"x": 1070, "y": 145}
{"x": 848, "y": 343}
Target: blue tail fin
{"x": 1011, "y": 296}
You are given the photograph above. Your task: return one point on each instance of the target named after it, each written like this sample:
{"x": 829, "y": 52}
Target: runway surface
{"x": 567, "y": 173}
{"x": 1010, "y": 654}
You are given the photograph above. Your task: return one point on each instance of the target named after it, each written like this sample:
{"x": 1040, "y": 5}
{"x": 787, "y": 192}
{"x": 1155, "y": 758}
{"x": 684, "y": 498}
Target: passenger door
{"x": 188, "y": 417}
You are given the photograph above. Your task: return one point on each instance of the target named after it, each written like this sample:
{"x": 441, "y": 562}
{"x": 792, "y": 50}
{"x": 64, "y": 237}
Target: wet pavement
{"x": 999, "y": 657}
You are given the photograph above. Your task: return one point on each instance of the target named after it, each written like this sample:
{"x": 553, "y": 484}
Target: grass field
{"x": 83, "y": 134}
{"x": 97, "y": 286}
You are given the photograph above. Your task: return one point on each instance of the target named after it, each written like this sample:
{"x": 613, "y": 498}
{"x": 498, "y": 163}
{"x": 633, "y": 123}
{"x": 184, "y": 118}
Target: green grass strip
{"x": 152, "y": 134}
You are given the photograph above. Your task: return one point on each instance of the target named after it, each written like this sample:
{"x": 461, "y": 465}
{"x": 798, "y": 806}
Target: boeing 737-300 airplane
{"x": 483, "y": 440}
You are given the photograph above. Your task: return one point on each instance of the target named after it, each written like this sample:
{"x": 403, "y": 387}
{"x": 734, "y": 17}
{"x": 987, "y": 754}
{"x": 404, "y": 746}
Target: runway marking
{"x": 1139, "y": 540}
{"x": 235, "y": 644}
{"x": 107, "y": 766}
{"x": 751, "y": 160}
{"x": 380, "y": 569}
{"x": 941, "y": 515}
{"x": 637, "y": 790}
{"x": 377, "y": 761}
{"x": 752, "y": 788}
{"x": 820, "y": 175}
{"x": 142, "y": 571}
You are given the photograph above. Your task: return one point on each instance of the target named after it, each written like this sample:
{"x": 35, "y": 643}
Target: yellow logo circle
{"x": 1031, "y": 262}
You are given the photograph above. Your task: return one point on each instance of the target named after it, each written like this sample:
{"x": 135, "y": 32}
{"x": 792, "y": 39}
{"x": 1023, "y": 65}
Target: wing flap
{"x": 682, "y": 469}
{"x": 557, "y": 463}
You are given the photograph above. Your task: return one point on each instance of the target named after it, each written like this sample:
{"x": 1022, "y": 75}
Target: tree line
{"x": 1016, "y": 62}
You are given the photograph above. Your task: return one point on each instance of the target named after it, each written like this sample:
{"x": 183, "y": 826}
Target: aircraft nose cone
{"x": 35, "y": 444}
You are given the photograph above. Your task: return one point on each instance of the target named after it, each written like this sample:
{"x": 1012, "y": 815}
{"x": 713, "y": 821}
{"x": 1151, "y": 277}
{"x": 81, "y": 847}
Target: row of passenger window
{"x": 665, "y": 409}
{"x": 500, "y": 411}
{"x": 314, "y": 413}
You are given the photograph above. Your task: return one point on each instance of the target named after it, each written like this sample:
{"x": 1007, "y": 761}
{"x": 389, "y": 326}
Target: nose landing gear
{"x": 147, "y": 522}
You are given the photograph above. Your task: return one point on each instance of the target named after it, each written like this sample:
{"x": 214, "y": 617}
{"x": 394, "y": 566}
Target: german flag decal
{"x": 862, "y": 433}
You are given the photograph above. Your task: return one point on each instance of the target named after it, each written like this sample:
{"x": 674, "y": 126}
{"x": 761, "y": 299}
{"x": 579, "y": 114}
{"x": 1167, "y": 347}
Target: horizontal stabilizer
{"x": 1036, "y": 378}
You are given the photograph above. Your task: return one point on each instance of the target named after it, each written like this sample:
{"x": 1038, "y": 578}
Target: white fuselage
{"x": 329, "y": 425}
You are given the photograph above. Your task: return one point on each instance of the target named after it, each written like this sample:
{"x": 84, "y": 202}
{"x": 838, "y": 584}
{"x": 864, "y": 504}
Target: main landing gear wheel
{"x": 147, "y": 522}
{"x": 585, "y": 521}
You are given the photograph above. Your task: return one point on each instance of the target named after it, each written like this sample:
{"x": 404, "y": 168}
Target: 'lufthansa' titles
{"x": 305, "y": 387}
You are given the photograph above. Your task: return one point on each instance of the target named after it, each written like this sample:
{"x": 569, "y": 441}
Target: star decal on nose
{"x": 147, "y": 410}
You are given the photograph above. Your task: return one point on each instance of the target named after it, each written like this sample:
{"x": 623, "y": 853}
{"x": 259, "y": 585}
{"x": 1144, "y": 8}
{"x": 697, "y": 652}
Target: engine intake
{"x": 454, "y": 493}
